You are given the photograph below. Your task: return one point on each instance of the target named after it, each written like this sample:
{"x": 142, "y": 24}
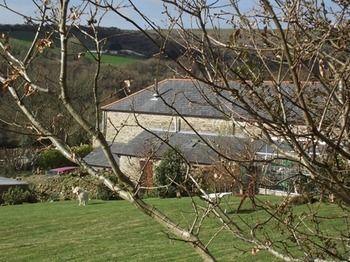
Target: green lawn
{"x": 115, "y": 59}
{"x": 115, "y": 231}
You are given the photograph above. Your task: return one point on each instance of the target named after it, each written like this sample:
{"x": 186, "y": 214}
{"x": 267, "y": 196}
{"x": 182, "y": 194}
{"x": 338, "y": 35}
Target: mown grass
{"x": 116, "y": 231}
{"x": 115, "y": 59}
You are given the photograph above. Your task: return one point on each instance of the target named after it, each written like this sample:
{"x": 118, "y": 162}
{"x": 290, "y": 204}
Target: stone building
{"x": 180, "y": 112}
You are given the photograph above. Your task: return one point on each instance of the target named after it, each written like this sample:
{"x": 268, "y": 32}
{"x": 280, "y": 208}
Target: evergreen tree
{"x": 170, "y": 174}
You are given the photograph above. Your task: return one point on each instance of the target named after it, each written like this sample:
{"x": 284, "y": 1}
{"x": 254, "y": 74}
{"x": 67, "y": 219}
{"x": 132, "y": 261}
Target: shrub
{"x": 103, "y": 192}
{"x": 8, "y": 171}
{"x": 150, "y": 194}
{"x": 82, "y": 150}
{"x": 52, "y": 158}
{"x": 301, "y": 200}
{"x": 16, "y": 195}
{"x": 55, "y": 188}
{"x": 170, "y": 173}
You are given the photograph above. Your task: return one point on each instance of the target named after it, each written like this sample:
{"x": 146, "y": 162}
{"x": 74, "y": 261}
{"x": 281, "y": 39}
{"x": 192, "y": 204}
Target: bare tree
{"x": 302, "y": 111}
{"x": 18, "y": 82}
{"x": 300, "y": 46}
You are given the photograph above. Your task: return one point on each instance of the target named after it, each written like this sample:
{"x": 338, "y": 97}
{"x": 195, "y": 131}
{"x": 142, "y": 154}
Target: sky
{"x": 152, "y": 8}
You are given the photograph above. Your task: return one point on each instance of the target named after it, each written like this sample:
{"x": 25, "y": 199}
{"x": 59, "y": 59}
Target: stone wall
{"x": 131, "y": 166}
{"x": 122, "y": 127}
{"x": 209, "y": 126}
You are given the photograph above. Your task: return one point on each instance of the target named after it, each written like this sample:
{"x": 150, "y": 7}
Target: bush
{"x": 55, "y": 188}
{"x": 149, "y": 194}
{"x": 16, "y": 195}
{"x": 301, "y": 200}
{"x": 103, "y": 192}
{"x": 171, "y": 172}
{"x": 82, "y": 150}
{"x": 8, "y": 171}
{"x": 52, "y": 158}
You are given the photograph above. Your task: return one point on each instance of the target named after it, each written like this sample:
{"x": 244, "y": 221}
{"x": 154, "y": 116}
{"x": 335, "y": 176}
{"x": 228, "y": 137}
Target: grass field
{"x": 115, "y": 231}
{"x": 27, "y": 36}
{"x": 22, "y": 40}
{"x": 115, "y": 59}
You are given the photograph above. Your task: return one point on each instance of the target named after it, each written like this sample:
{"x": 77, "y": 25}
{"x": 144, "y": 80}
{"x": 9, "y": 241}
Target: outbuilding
{"x": 6, "y": 183}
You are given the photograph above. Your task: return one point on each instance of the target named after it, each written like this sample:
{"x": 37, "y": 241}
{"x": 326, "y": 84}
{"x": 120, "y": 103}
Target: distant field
{"x": 116, "y": 231}
{"x": 22, "y": 35}
{"x": 21, "y": 39}
{"x": 116, "y": 59}
{"x": 20, "y": 43}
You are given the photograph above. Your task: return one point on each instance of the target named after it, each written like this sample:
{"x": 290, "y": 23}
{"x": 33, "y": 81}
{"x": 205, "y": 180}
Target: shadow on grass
{"x": 96, "y": 203}
{"x": 243, "y": 211}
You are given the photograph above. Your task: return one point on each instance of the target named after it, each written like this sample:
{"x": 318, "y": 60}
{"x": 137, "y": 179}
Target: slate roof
{"x": 97, "y": 158}
{"x": 4, "y": 181}
{"x": 189, "y": 98}
{"x": 192, "y": 98}
{"x": 194, "y": 149}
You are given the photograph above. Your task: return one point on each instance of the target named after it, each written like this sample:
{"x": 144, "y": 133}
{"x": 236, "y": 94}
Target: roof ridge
{"x": 237, "y": 81}
{"x": 268, "y": 82}
{"x": 133, "y": 94}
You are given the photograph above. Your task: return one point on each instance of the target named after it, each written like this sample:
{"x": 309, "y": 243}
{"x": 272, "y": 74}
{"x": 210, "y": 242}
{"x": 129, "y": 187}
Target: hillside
{"x": 116, "y": 39}
{"x": 114, "y": 70}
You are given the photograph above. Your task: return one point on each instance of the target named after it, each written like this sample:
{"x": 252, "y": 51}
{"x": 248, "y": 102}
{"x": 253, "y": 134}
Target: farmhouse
{"x": 182, "y": 113}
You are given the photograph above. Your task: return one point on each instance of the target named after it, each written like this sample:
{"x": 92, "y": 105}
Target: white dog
{"x": 83, "y": 196}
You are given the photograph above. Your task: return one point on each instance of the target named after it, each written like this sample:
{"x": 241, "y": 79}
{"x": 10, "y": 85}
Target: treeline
{"x": 116, "y": 39}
